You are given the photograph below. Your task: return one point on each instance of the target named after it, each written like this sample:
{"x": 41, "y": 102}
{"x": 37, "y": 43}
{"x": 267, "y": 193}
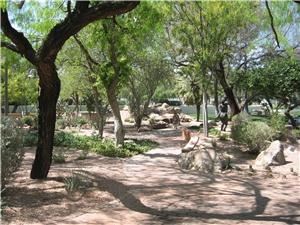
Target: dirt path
{"x": 150, "y": 189}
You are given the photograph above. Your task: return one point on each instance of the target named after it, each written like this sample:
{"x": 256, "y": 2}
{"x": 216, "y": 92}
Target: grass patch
{"x": 105, "y": 147}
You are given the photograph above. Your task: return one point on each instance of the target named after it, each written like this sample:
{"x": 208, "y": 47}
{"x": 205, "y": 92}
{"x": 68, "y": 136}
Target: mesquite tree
{"x": 43, "y": 58}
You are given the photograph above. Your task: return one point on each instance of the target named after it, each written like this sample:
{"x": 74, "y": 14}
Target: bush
{"x": 28, "y": 120}
{"x": 104, "y": 147}
{"x": 59, "y": 157}
{"x": 277, "y": 123}
{"x": 11, "y": 149}
{"x": 80, "y": 121}
{"x": 254, "y": 134}
{"x": 30, "y": 139}
{"x": 73, "y": 183}
{"x": 61, "y": 123}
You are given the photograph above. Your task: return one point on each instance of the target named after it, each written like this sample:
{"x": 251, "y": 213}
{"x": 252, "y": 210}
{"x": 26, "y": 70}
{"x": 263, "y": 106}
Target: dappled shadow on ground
{"x": 148, "y": 189}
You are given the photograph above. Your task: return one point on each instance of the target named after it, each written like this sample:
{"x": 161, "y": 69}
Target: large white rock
{"x": 272, "y": 155}
{"x": 191, "y": 144}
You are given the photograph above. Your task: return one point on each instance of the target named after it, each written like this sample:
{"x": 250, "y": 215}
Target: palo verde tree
{"x": 43, "y": 58}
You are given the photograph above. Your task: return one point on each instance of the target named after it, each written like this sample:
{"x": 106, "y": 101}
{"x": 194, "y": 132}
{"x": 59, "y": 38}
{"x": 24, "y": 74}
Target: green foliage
{"x": 277, "y": 123}
{"x": 30, "y": 139}
{"x": 217, "y": 133}
{"x": 11, "y": 149}
{"x": 59, "y": 156}
{"x": 296, "y": 133}
{"x": 80, "y": 121}
{"x": 28, "y": 120}
{"x": 254, "y": 134}
{"x": 104, "y": 147}
{"x": 73, "y": 183}
{"x": 61, "y": 123}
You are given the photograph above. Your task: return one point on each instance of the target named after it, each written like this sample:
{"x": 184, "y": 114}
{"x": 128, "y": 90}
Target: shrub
{"x": 61, "y": 123}
{"x": 59, "y": 157}
{"x": 254, "y": 134}
{"x": 80, "y": 121}
{"x": 277, "y": 123}
{"x": 296, "y": 133}
{"x": 73, "y": 183}
{"x": 11, "y": 149}
{"x": 28, "y": 120}
{"x": 104, "y": 147}
{"x": 30, "y": 139}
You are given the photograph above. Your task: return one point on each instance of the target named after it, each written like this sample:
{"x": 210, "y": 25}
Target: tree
{"x": 82, "y": 14}
{"x": 149, "y": 72}
{"x": 21, "y": 79}
{"x": 278, "y": 79}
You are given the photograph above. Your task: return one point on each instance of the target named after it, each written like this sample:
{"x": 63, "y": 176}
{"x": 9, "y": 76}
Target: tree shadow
{"x": 123, "y": 193}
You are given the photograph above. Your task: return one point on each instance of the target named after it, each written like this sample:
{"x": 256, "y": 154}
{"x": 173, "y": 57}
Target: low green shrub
{"x": 30, "y": 139}
{"x": 296, "y": 133}
{"x": 59, "y": 157}
{"x": 80, "y": 121}
{"x": 61, "y": 123}
{"x": 28, "y": 120}
{"x": 104, "y": 147}
{"x": 11, "y": 149}
{"x": 73, "y": 183}
{"x": 254, "y": 134}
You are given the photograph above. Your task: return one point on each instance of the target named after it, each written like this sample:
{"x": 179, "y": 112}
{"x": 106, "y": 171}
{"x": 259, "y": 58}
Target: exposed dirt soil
{"x": 152, "y": 189}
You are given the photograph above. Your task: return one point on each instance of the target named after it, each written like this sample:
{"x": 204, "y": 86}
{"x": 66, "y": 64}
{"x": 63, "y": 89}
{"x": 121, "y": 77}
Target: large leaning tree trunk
{"x": 220, "y": 73}
{"x": 44, "y": 60}
{"x": 49, "y": 92}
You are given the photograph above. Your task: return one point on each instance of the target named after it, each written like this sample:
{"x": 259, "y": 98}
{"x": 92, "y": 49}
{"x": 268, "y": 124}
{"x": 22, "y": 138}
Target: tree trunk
{"x": 138, "y": 121}
{"x": 6, "y": 106}
{"x": 15, "y": 108}
{"x": 234, "y": 107}
{"x": 101, "y": 123}
{"x": 246, "y": 105}
{"x": 49, "y": 93}
{"x": 118, "y": 125}
{"x": 76, "y": 99}
{"x": 216, "y": 96}
{"x": 205, "y": 116}
{"x": 198, "y": 106}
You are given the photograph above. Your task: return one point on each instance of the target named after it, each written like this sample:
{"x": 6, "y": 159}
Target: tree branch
{"x": 272, "y": 23}
{"x": 10, "y": 46}
{"x": 79, "y": 18}
{"x": 85, "y": 51}
{"x": 21, "y": 42}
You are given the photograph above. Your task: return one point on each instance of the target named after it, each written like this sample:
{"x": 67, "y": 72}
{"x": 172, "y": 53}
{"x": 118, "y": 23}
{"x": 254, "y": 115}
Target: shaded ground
{"x": 151, "y": 189}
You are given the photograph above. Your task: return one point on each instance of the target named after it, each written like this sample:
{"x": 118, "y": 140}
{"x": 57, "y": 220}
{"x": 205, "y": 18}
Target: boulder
{"x": 159, "y": 125}
{"x": 272, "y": 155}
{"x": 212, "y": 123}
{"x": 155, "y": 117}
{"x": 164, "y": 105}
{"x": 191, "y": 144}
{"x": 204, "y": 160}
{"x": 186, "y": 118}
{"x": 195, "y": 125}
{"x": 168, "y": 118}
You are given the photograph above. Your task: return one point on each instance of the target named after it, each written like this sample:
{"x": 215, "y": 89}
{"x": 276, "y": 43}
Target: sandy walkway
{"x": 150, "y": 189}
